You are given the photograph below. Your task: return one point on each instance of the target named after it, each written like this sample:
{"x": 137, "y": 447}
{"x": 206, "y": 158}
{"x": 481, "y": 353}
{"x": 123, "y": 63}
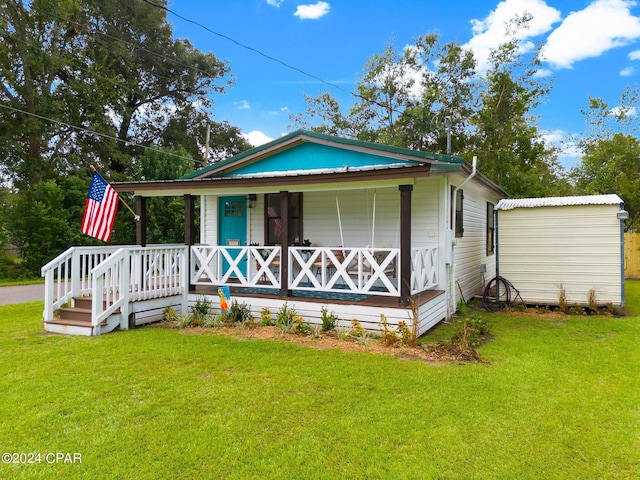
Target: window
{"x": 458, "y": 213}
{"x": 490, "y": 229}
{"x": 273, "y": 218}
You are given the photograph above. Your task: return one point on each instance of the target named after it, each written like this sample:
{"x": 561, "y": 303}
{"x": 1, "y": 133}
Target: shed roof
{"x": 511, "y": 203}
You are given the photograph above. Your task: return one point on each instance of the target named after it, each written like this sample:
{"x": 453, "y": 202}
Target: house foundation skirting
{"x": 430, "y": 307}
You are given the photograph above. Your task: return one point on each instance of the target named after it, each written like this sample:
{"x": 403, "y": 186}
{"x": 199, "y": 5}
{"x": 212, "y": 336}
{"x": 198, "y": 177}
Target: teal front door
{"x": 232, "y": 228}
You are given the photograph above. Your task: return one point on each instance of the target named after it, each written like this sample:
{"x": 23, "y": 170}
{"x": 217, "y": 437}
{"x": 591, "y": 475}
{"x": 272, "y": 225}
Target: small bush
{"x": 239, "y": 313}
{"x": 470, "y": 332}
{"x": 169, "y": 315}
{"x": 329, "y": 320}
{"x": 389, "y": 336}
{"x": 562, "y": 299}
{"x": 356, "y": 328}
{"x": 202, "y": 306}
{"x": 593, "y": 300}
{"x": 342, "y": 333}
{"x": 407, "y": 338}
{"x": 285, "y": 315}
{"x": 265, "y": 317}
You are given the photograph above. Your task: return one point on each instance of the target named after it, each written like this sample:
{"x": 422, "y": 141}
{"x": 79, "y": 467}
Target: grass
{"x": 559, "y": 399}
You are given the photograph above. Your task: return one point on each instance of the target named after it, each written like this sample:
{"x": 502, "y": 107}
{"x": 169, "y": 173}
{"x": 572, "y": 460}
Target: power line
{"x": 252, "y": 49}
{"x": 93, "y": 132}
{"x": 277, "y": 60}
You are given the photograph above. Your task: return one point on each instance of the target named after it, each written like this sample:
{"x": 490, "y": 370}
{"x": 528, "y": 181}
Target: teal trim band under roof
{"x": 221, "y": 169}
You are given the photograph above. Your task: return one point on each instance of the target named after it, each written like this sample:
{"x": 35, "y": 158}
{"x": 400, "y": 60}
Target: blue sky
{"x": 592, "y": 48}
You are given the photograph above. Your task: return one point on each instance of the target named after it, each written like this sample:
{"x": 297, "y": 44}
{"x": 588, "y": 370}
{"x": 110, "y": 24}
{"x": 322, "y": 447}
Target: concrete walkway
{"x": 21, "y": 294}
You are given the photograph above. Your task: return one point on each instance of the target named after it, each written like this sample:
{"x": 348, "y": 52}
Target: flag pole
{"x": 135, "y": 215}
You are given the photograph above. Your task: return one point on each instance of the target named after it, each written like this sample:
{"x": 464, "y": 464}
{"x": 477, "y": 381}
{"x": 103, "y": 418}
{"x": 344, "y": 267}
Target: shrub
{"x": 470, "y": 332}
{"x": 169, "y": 315}
{"x": 356, "y": 328}
{"x": 285, "y": 315}
{"x": 407, "y": 338}
{"x": 562, "y": 300}
{"x": 202, "y": 306}
{"x": 593, "y": 300}
{"x": 389, "y": 336}
{"x": 329, "y": 320}
{"x": 265, "y": 317}
{"x": 239, "y": 313}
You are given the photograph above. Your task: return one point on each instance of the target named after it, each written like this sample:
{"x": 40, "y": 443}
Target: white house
{"x": 392, "y": 231}
{"x": 570, "y": 243}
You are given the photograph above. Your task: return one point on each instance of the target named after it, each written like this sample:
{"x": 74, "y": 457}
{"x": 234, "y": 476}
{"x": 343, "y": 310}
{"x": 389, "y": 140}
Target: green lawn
{"x": 559, "y": 399}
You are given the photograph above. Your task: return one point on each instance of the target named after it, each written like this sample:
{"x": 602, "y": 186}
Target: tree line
{"x": 104, "y": 83}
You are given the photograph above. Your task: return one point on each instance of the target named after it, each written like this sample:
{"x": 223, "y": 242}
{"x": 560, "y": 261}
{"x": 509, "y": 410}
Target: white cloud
{"x": 623, "y": 112}
{"x": 542, "y": 73}
{"x": 627, "y": 72}
{"x": 312, "y": 12}
{"x": 242, "y": 105}
{"x": 635, "y": 55}
{"x": 256, "y": 138}
{"x": 603, "y": 25}
{"x": 490, "y": 33}
{"x": 275, "y": 3}
{"x": 569, "y": 152}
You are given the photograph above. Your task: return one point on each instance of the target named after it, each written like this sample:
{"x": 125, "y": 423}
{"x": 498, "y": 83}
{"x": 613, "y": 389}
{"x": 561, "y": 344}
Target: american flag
{"x": 99, "y": 209}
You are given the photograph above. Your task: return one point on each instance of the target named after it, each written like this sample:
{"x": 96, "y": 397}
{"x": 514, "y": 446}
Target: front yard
{"x": 557, "y": 398}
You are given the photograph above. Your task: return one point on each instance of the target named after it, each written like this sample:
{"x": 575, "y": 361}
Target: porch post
{"x": 284, "y": 247}
{"x": 189, "y": 233}
{"x": 141, "y": 224}
{"x": 405, "y": 244}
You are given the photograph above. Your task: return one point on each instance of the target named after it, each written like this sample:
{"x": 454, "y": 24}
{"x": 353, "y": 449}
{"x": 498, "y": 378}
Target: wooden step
{"x": 76, "y": 314}
{"x": 74, "y": 323}
{"x": 82, "y": 302}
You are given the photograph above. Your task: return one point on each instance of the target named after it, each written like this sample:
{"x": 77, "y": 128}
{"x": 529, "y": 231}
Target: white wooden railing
{"x": 358, "y": 270}
{"x": 238, "y": 266}
{"x": 117, "y": 274}
{"x": 424, "y": 269}
{"x": 374, "y": 271}
{"x": 69, "y": 275}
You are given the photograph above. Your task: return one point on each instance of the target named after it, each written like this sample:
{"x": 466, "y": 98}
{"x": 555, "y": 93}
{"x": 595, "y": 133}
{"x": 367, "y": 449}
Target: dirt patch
{"x": 432, "y": 354}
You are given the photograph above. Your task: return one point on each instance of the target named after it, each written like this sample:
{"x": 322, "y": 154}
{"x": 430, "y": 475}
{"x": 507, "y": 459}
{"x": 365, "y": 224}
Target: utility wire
{"x": 277, "y": 60}
{"x": 104, "y": 135}
{"x": 252, "y": 49}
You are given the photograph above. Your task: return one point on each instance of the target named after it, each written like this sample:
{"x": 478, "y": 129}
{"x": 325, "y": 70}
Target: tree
{"x": 506, "y": 138}
{"x": 604, "y": 121}
{"x": 403, "y": 98}
{"x": 613, "y": 166}
{"x": 93, "y": 83}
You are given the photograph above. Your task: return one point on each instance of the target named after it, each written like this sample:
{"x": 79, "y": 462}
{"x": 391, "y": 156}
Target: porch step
{"x": 76, "y": 314}
{"x": 76, "y": 320}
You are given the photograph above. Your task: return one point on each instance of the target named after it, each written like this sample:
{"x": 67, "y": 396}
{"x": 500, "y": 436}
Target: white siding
{"x": 209, "y": 220}
{"x": 359, "y": 229}
{"x": 577, "y": 247}
{"x": 471, "y": 249}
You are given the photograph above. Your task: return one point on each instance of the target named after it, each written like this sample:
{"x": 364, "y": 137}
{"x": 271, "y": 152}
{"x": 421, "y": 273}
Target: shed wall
{"x": 577, "y": 247}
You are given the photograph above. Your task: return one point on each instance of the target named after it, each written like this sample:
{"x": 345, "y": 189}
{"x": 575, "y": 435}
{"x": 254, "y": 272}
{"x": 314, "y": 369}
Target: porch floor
{"x": 322, "y": 297}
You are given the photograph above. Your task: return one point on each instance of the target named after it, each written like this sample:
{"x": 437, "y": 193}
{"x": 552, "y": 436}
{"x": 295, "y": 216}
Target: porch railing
{"x": 374, "y": 271}
{"x": 424, "y": 269}
{"x": 69, "y": 275}
{"x": 240, "y": 266}
{"x": 356, "y": 270}
{"x": 118, "y": 274}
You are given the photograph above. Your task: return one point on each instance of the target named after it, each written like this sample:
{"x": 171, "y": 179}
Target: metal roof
{"x": 511, "y": 203}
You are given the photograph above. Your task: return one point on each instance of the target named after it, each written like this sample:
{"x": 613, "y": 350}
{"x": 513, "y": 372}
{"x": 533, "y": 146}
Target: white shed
{"x": 575, "y": 243}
